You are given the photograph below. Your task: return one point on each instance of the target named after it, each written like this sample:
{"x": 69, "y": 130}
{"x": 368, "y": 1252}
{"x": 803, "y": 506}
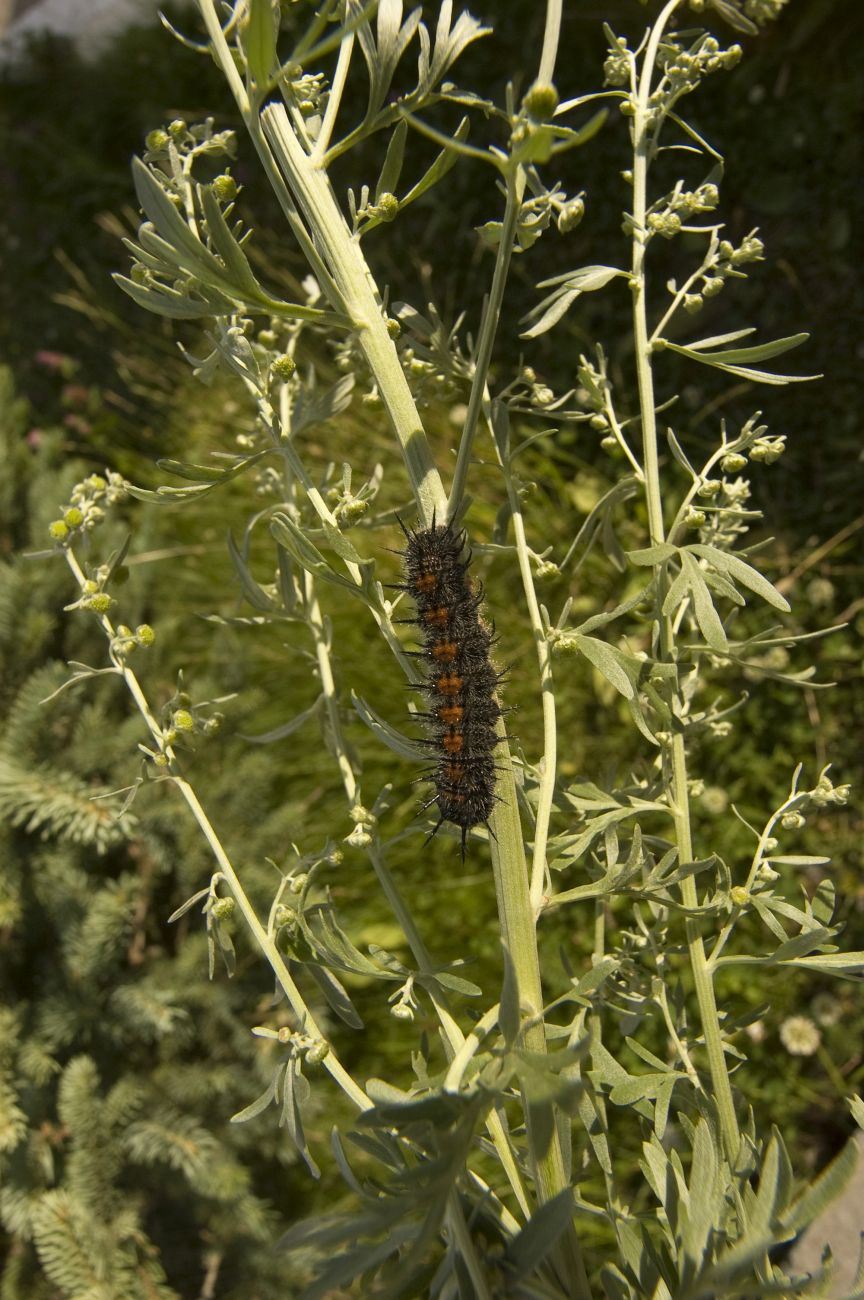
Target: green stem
{"x": 262, "y": 937}
{"x": 546, "y": 788}
{"x": 357, "y": 294}
{"x": 488, "y": 332}
{"x": 675, "y": 758}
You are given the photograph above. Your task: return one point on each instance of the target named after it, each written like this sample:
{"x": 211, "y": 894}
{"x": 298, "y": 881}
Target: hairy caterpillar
{"x": 460, "y": 681}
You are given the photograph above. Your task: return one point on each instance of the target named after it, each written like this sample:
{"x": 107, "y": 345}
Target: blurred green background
{"x": 121, "y": 1063}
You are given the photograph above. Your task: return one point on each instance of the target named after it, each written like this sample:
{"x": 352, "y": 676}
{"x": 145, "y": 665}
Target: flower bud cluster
{"x": 403, "y": 1003}
{"x": 86, "y": 508}
{"x": 363, "y": 822}
{"x": 684, "y": 69}
{"x": 182, "y": 722}
{"x": 616, "y": 69}
{"x": 125, "y": 640}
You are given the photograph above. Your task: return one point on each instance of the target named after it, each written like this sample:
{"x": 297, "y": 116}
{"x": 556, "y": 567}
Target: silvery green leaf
{"x": 391, "y": 169}
{"x": 650, "y": 555}
{"x": 252, "y": 591}
{"x": 743, "y": 573}
{"x": 226, "y": 245}
{"x": 259, "y": 39}
{"x": 288, "y": 728}
{"x": 535, "y": 1241}
{"x": 610, "y": 662}
{"x": 722, "y": 360}
{"x": 551, "y": 309}
{"x": 824, "y": 1189}
{"x": 260, "y": 1104}
{"x": 393, "y": 739}
{"x": 307, "y": 554}
{"x": 163, "y": 300}
{"x": 706, "y": 615}
{"x": 446, "y": 159}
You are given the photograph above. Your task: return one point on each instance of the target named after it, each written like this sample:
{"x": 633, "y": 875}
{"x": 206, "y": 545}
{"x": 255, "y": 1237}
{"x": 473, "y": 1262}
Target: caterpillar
{"x": 460, "y": 681}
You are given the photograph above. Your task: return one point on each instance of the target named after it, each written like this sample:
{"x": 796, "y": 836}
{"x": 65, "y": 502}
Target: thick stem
{"x": 358, "y": 296}
{"x": 675, "y": 758}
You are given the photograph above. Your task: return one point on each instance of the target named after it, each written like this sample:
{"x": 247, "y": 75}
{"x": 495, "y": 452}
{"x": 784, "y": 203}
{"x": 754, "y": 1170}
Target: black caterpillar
{"x": 461, "y": 681}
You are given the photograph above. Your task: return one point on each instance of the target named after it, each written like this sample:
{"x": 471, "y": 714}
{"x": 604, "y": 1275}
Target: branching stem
{"x": 675, "y": 758}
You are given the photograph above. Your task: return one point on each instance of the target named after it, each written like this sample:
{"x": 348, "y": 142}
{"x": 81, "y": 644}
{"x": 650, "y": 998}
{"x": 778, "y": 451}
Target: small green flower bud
{"x": 387, "y": 207}
{"x": 169, "y": 735}
{"x": 733, "y": 462}
{"x": 335, "y": 857}
{"x": 96, "y": 483}
{"x": 90, "y": 587}
{"x": 725, "y": 250}
{"x": 161, "y": 760}
{"x": 223, "y": 909}
{"x": 317, "y": 1052}
{"x": 708, "y": 195}
{"x": 100, "y": 603}
{"x": 770, "y": 844}
{"x": 792, "y": 821}
{"x": 570, "y": 216}
{"x": 627, "y": 108}
{"x": 358, "y": 838}
{"x": 610, "y": 443}
{"x": 177, "y": 127}
{"x": 547, "y": 569}
{"x": 283, "y": 367}
{"x": 599, "y": 421}
{"x": 732, "y": 56}
{"x": 284, "y": 1034}
{"x": 694, "y": 518}
{"x": 73, "y": 517}
{"x": 182, "y": 699}
{"x": 692, "y": 303}
{"x": 710, "y": 487}
{"x": 767, "y": 875}
{"x": 144, "y": 635}
{"x": 394, "y": 329}
{"x": 711, "y": 286}
{"x": 266, "y": 338}
{"x": 58, "y": 530}
{"x": 739, "y": 895}
{"x": 298, "y": 883}
{"x": 183, "y": 720}
{"x": 156, "y": 140}
{"x": 541, "y": 101}
{"x": 401, "y": 1012}
{"x": 225, "y": 188}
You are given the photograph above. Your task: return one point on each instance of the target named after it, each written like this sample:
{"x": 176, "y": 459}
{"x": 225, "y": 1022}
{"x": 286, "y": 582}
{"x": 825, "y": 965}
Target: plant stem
{"x": 547, "y": 694}
{"x": 262, "y": 937}
{"x": 488, "y": 330}
{"x": 675, "y": 759}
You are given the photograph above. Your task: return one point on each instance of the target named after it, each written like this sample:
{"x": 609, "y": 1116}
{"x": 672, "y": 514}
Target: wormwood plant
{"x": 495, "y": 1169}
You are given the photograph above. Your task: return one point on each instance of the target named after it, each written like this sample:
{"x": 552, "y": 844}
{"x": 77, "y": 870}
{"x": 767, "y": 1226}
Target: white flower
{"x": 799, "y": 1036}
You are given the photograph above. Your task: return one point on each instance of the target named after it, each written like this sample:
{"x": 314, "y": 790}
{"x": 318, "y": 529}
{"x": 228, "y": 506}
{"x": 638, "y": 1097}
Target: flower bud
{"x": 183, "y": 720}
{"x": 156, "y": 140}
{"x": 739, "y": 895}
{"x": 283, "y": 367}
{"x": 541, "y": 101}
{"x": 100, "y": 603}
{"x": 225, "y": 188}
{"x": 792, "y": 821}
{"x": 223, "y": 909}
{"x": 570, "y": 216}
{"x": 387, "y": 207}
{"x": 733, "y": 462}
{"x": 58, "y": 530}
